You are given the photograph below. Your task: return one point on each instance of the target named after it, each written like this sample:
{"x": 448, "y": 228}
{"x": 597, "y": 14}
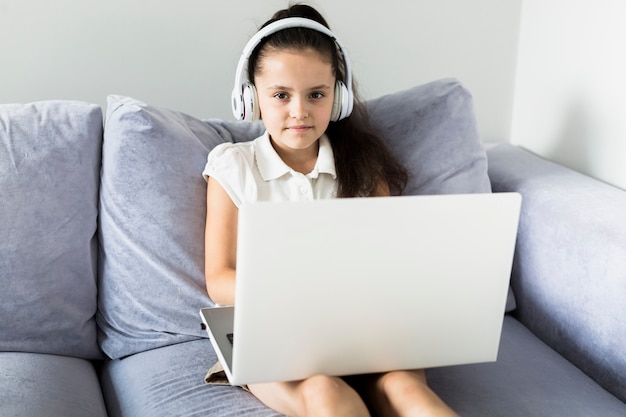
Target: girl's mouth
{"x": 299, "y": 128}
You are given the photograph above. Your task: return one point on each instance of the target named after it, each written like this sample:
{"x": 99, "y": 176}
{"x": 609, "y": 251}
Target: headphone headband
{"x": 241, "y": 76}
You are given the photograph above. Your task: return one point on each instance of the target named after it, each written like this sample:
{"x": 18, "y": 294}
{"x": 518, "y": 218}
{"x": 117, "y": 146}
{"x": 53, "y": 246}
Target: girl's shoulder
{"x": 230, "y": 157}
{"x": 231, "y": 148}
{"x": 230, "y": 151}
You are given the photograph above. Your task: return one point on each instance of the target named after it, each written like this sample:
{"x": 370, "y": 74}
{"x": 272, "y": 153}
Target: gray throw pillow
{"x": 49, "y": 177}
{"x": 432, "y": 131}
{"x": 152, "y": 212}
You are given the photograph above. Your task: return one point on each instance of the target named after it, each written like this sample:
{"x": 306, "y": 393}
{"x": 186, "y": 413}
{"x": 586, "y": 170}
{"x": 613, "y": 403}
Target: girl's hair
{"x": 362, "y": 160}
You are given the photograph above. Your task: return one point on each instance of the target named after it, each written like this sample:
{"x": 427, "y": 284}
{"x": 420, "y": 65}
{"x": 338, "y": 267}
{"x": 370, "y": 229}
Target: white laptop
{"x": 362, "y": 285}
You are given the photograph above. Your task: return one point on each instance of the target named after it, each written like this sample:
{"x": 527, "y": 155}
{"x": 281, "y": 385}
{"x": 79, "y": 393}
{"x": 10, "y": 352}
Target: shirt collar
{"x": 271, "y": 166}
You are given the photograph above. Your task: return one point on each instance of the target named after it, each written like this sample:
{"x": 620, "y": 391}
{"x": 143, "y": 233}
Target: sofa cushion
{"x": 152, "y": 212}
{"x": 529, "y": 379}
{"x": 432, "y": 131}
{"x": 153, "y": 200}
{"x": 174, "y": 376}
{"x": 35, "y": 384}
{"x": 49, "y": 176}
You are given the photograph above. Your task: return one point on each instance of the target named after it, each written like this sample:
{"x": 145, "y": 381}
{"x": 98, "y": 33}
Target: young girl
{"x": 318, "y": 144}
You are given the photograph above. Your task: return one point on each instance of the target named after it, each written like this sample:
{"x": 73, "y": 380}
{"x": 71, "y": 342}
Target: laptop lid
{"x": 349, "y": 286}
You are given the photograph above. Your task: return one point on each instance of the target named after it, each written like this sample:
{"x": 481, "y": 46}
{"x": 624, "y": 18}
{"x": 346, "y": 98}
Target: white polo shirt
{"x": 253, "y": 171}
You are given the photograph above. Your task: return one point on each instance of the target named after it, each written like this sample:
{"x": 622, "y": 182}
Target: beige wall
{"x": 570, "y": 96}
{"x": 182, "y": 54}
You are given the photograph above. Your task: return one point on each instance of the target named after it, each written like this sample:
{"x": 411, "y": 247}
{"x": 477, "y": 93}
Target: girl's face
{"x": 296, "y": 92}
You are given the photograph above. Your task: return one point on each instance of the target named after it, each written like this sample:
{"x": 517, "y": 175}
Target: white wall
{"x": 182, "y": 54}
{"x": 570, "y": 97}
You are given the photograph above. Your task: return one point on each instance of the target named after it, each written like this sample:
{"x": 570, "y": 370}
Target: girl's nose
{"x": 298, "y": 109}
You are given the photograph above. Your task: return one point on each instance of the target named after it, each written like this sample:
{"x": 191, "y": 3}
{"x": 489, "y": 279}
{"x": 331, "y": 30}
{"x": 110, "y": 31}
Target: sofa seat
{"x": 529, "y": 379}
{"x": 38, "y": 384}
{"x": 169, "y": 381}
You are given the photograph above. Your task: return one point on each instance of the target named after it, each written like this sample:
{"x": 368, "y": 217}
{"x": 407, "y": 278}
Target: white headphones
{"x": 245, "y": 101}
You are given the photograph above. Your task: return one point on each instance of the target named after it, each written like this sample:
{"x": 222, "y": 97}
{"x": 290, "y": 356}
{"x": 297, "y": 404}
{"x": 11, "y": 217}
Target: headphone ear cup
{"x": 342, "y": 104}
{"x": 337, "y": 102}
{"x": 251, "y": 111}
{"x": 237, "y": 103}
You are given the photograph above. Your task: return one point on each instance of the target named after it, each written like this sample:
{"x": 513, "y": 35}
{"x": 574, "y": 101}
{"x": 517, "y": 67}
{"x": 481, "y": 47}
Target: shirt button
{"x": 303, "y": 190}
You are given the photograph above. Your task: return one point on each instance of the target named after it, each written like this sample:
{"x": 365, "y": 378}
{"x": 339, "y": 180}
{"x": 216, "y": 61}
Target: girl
{"x": 315, "y": 146}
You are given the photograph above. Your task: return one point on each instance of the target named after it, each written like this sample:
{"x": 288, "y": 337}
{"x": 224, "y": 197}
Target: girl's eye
{"x": 281, "y": 96}
{"x": 317, "y": 95}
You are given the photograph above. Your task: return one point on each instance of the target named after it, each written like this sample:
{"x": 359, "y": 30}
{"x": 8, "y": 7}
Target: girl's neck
{"x": 300, "y": 160}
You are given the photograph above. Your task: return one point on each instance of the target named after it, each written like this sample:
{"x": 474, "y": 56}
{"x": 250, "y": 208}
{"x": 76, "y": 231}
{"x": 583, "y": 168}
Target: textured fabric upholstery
{"x": 170, "y": 382}
{"x": 529, "y": 379}
{"x": 35, "y": 384}
{"x": 49, "y": 174}
{"x": 570, "y": 265}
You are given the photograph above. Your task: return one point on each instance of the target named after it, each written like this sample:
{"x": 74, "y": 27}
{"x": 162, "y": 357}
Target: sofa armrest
{"x": 569, "y": 272}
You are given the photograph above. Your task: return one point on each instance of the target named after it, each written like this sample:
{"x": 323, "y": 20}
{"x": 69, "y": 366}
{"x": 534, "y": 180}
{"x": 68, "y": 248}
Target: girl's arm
{"x": 220, "y": 244}
{"x": 221, "y": 241}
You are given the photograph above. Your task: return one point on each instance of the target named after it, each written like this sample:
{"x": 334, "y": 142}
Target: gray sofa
{"x": 101, "y": 262}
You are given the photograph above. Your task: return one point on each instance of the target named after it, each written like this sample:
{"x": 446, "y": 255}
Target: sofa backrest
{"x": 569, "y": 272}
{"x": 49, "y": 178}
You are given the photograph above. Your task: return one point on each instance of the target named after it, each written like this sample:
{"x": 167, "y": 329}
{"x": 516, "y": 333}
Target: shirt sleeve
{"x": 228, "y": 164}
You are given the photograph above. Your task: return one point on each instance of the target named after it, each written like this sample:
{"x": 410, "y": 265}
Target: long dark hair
{"x": 362, "y": 160}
